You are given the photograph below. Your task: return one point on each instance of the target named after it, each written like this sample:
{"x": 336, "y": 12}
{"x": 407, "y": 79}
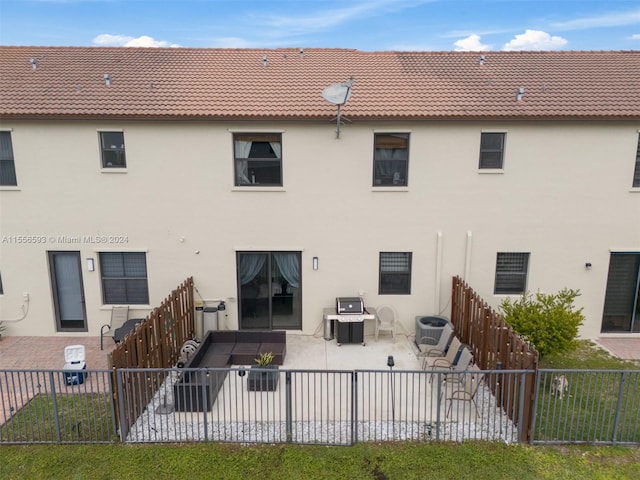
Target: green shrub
{"x": 549, "y": 321}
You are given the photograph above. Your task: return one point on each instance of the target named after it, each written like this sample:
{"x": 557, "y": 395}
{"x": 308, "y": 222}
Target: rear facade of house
{"x": 126, "y": 170}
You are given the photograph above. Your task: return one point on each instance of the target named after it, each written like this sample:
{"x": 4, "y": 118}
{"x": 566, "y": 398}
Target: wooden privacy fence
{"x": 155, "y": 343}
{"x": 496, "y": 346}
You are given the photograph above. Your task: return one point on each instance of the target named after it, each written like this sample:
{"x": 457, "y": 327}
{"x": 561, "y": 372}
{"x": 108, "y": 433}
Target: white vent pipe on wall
{"x": 438, "y": 280}
{"x": 467, "y": 256}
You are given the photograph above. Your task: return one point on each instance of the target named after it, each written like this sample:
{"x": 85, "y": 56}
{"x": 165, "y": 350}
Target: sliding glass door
{"x": 269, "y": 290}
{"x": 622, "y": 298}
{"x": 68, "y": 292}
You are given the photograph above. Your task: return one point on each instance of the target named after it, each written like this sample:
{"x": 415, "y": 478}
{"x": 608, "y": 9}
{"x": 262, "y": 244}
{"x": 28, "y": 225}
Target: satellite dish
{"x": 338, "y": 93}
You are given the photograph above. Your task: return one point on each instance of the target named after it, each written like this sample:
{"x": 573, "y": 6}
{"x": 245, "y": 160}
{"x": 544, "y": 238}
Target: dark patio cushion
{"x": 245, "y": 336}
{"x": 221, "y": 348}
{"x": 275, "y": 336}
{"x": 223, "y": 336}
{"x": 244, "y": 353}
{"x": 215, "y": 360}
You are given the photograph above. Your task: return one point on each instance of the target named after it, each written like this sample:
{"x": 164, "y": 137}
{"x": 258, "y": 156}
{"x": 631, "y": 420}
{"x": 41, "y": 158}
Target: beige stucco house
{"x": 126, "y": 170}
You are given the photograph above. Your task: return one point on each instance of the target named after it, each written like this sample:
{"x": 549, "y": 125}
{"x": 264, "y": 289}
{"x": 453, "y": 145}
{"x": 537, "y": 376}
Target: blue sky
{"x": 361, "y": 24}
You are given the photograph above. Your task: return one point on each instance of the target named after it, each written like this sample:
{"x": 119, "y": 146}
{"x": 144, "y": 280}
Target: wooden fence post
{"x": 155, "y": 343}
{"x": 494, "y": 343}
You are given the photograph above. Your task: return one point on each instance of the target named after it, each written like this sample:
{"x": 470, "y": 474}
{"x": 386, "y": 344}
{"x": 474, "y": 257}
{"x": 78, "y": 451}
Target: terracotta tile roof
{"x": 233, "y": 83}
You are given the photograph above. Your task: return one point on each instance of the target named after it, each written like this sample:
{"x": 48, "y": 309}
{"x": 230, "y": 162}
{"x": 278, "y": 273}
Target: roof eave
{"x": 320, "y": 118}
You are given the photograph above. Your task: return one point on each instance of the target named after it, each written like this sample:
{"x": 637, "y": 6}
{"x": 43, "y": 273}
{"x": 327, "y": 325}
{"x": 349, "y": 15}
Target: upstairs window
{"x": 7, "y": 165}
{"x": 395, "y": 273}
{"x": 112, "y": 145}
{"x": 636, "y": 173}
{"x": 511, "y": 272}
{"x": 124, "y": 278}
{"x": 258, "y": 159}
{"x": 491, "y": 151}
{"x": 391, "y": 159}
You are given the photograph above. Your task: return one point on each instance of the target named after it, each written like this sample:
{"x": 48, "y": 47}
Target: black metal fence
{"x": 316, "y": 407}
{"x": 57, "y": 406}
{"x": 325, "y": 407}
{"x": 586, "y": 406}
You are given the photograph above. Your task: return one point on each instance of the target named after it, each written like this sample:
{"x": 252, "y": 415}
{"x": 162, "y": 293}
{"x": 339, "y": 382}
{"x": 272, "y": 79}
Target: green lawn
{"x": 587, "y": 356}
{"x": 469, "y": 460}
{"x": 587, "y": 411}
{"x": 81, "y": 418}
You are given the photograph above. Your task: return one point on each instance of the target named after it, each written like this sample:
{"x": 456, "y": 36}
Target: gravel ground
{"x": 154, "y": 426}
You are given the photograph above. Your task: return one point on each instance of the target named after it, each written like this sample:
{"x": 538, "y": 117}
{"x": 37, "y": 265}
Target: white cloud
{"x": 635, "y": 36}
{"x": 615, "y": 19}
{"x": 467, "y": 33}
{"x": 108, "y": 40}
{"x": 470, "y": 44}
{"x": 535, "y": 40}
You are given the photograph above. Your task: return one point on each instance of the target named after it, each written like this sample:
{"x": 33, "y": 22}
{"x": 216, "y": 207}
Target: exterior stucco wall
{"x": 564, "y": 195}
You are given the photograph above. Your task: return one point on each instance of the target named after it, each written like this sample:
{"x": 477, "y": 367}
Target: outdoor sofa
{"x": 221, "y": 349}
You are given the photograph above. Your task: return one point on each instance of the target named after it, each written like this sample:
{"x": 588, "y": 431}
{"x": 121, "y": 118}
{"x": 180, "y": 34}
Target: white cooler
{"x": 75, "y": 367}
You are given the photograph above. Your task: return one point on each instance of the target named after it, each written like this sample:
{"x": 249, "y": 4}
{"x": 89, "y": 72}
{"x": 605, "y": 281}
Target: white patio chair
{"x": 119, "y": 315}
{"x": 386, "y": 319}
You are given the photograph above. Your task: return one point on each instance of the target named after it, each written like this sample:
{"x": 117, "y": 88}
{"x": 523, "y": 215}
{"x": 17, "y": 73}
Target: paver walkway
{"x": 48, "y": 352}
{"x": 624, "y": 348}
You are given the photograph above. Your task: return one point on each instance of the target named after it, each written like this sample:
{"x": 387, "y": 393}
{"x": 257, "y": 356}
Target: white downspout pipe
{"x": 436, "y": 293}
{"x": 467, "y": 256}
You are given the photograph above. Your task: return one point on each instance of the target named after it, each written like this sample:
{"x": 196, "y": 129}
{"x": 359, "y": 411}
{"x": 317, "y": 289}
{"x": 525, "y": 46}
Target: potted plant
{"x": 263, "y": 376}
{"x": 3, "y": 327}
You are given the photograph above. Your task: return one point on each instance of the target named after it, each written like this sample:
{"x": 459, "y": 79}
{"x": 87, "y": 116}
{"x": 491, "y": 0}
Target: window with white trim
{"x": 124, "y": 278}
{"x": 391, "y": 159}
{"x": 511, "y": 272}
{"x": 491, "y": 151}
{"x": 257, "y": 159}
{"x": 395, "y": 273}
{"x": 112, "y": 147}
{"x": 7, "y": 163}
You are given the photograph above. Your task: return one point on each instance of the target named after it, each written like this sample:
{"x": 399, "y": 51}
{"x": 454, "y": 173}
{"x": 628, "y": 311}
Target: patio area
{"x": 325, "y": 402}
{"x": 303, "y": 352}
{"x": 322, "y": 400}
{"x": 320, "y": 408}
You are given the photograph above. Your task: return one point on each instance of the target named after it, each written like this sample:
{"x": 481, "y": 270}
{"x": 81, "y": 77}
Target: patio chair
{"x": 445, "y": 360}
{"x": 440, "y": 348}
{"x": 464, "y": 362}
{"x": 386, "y": 319}
{"x": 119, "y": 315}
{"x": 466, "y": 390}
